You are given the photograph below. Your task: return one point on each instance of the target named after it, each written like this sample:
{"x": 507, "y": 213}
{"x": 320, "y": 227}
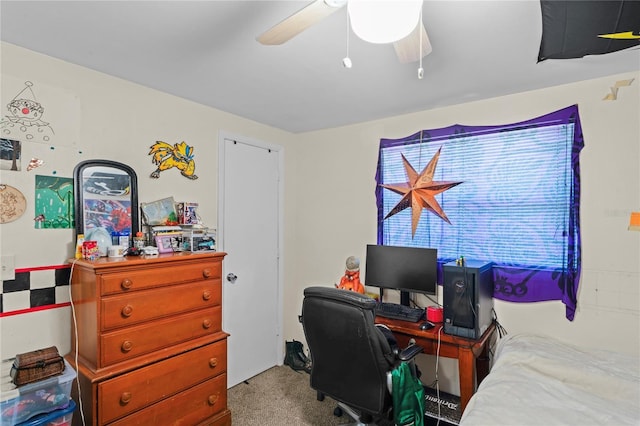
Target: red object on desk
{"x": 434, "y": 314}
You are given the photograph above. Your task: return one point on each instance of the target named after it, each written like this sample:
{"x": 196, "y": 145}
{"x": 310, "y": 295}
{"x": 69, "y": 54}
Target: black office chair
{"x": 351, "y": 357}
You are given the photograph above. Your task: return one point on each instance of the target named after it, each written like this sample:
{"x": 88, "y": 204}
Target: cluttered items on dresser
{"x": 172, "y": 226}
{"x": 36, "y": 365}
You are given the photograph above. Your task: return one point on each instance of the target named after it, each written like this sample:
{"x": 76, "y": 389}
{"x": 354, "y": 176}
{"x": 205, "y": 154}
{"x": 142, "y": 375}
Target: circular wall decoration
{"x": 12, "y": 203}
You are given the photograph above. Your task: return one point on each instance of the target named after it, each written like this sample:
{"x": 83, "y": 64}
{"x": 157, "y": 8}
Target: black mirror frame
{"x": 79, "y": 193}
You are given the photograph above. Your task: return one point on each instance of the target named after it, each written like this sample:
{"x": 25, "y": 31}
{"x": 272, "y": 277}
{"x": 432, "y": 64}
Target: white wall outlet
{"x": 8, "y": 265}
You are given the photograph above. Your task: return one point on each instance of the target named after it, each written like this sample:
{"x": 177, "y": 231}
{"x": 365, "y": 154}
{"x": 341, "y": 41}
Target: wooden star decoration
{"x": 419, "y": 192}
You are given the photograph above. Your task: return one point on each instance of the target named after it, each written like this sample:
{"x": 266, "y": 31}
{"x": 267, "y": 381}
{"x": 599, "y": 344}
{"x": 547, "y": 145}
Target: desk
{"x": 472, "y": 355}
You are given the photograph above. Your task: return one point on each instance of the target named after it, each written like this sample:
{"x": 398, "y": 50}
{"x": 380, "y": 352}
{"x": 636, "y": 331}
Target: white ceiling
{"x": 206, "y": 51}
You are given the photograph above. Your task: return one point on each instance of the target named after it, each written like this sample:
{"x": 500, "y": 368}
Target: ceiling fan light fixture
{"x": 383, "y": 21}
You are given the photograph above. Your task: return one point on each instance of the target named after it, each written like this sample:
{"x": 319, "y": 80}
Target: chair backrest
{"x": 350, "y": 356}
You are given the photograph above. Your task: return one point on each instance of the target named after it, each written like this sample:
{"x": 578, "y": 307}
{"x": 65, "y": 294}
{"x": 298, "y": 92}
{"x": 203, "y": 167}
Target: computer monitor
{"x": 408, "y": 269}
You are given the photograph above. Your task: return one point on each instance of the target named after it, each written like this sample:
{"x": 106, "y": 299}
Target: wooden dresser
{"x": 151, "y": 350}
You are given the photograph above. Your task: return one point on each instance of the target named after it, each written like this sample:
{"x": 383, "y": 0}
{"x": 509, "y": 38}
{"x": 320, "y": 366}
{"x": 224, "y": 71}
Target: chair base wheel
{"x": 337, "y": 412}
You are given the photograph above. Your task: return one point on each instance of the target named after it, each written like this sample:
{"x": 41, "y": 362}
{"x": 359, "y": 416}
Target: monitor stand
{"x": 405, "y": 297}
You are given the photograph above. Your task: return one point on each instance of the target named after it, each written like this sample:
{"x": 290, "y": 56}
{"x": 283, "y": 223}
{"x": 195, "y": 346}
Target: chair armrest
{"x": 410, "y": 352}
{"x": 405, "y": 355}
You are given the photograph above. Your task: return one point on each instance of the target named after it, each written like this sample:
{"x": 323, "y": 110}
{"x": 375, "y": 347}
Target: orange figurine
{"x": 351, "y": 278}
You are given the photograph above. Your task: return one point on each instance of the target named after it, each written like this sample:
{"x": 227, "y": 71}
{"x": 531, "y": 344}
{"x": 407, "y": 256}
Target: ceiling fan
{"x": 409, "y": 48}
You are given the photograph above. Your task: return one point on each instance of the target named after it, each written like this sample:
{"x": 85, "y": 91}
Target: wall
{"x": 330, "y": 208}
{"x": 98, "y": 116}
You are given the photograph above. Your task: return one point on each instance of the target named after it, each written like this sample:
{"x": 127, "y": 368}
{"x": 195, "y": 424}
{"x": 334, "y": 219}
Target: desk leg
{"x": 466, "y": 368}
{"x": 482, "y": 363}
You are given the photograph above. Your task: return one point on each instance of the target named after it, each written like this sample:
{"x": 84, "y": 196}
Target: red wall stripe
{"x": 42, "y": 268}
{"x": 37, "y": 308}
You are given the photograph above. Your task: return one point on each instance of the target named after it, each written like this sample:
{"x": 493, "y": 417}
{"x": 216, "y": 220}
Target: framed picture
{"x": 167, "y": 243}
{"x": 160, "y": 212}
{"x": 190, "y": 215}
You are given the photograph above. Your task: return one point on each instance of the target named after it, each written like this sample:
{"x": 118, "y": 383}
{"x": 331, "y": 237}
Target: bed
{"x": 538, "y": 380}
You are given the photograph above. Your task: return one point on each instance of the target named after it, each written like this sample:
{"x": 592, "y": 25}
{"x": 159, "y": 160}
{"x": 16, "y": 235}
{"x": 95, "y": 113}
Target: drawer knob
{"x": 127, "y": 311}
{"x": 125, "y": 398}
{"x": 206, "y": 295}
{"x": 126, "y": 284}
{"x": 206, "y": 323}
{"x": 212, "y": 399}
{"x": 127, "y": 346}
{"x": 213, "y": 362}
{"x": 206, "y": 273}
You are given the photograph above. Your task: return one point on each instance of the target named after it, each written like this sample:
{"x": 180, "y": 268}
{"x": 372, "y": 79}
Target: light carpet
{"x": 280, "y": 396}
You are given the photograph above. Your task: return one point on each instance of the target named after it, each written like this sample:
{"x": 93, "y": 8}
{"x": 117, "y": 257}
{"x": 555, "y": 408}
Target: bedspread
{"x": 538, "y": 380}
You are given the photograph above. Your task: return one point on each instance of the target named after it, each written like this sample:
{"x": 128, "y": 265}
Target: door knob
{"x": 231, "y": 277}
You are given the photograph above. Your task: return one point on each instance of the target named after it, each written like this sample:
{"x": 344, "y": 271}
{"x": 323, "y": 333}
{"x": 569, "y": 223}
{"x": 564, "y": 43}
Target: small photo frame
{"x": 167, "y": 243}
{"x": 190, "y": 214}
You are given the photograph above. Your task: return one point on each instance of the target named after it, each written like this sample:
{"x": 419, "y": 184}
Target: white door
{"x": 249, "y": 232}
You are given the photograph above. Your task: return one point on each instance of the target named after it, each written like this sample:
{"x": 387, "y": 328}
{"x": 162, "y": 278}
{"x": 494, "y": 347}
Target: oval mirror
{"x": 106, "y": 201}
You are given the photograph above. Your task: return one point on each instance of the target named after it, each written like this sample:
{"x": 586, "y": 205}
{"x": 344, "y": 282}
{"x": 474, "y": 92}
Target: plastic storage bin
{"x": 60, "y": 417}
{"x": 18, "y": 404}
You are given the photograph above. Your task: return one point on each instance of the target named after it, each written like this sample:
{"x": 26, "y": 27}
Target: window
{"x": 517, "y": 203}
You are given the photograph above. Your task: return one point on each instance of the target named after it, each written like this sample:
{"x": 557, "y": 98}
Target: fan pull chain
{"x": 420, "y": 69}
{"x": 347, "y": 61}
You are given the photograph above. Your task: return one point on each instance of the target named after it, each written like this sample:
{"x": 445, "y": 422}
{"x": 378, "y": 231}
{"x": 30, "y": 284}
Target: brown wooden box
{"x": 36, "y": 365}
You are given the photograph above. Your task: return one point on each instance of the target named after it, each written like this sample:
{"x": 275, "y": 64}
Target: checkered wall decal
{"x": 35, "y": 288}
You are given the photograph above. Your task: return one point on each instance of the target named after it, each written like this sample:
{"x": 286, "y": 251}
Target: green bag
{"x": 408, "y": 397}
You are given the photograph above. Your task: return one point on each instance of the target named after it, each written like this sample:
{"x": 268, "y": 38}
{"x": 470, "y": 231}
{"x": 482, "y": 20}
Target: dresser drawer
{"x": 138, "y": 389}
{"x": 187, "y": 408}
{"x": 132, "y": 308}
{"x": 159, "y": 275}
{"x": 140, "y": 339}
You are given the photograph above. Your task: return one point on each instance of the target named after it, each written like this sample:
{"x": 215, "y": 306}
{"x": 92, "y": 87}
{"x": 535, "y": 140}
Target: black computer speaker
{"x": 467, "y": 298}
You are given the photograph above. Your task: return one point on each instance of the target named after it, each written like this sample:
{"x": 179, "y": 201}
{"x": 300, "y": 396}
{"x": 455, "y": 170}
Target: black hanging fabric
{"x": 573, "y": 29}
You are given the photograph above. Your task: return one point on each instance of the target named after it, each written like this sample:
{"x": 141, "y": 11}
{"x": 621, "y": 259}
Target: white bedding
{"x": 537, "y": 380}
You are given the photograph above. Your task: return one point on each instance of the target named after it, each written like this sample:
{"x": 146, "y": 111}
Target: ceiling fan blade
{"x": 298, "y": 22}
{"x": 408, "y": 49}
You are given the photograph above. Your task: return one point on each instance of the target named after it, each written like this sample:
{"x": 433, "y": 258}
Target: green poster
{"x": 54, "y": 202}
